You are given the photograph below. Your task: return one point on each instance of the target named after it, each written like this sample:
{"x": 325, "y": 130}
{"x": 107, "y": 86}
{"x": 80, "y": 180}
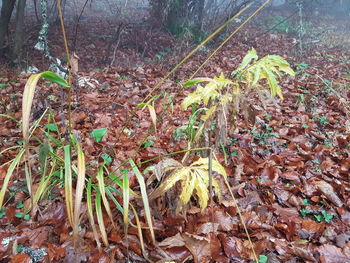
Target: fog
{"x": 130, "y": 26}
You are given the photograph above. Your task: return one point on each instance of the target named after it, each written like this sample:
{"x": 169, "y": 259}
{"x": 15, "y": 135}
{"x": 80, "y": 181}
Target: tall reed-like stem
{"x": 69, "y": 117}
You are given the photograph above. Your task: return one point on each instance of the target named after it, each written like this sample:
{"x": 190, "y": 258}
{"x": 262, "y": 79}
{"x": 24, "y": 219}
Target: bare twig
{"x": 77, "y": 25}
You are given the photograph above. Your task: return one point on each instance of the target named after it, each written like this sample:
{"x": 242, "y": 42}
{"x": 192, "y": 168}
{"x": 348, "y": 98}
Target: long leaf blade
{"x": 144, "y": 198}
{"x": 8, "y": 176}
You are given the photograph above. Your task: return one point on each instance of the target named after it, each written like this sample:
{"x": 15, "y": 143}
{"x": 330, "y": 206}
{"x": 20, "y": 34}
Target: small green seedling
{"x": 301, "y": 67}
{"x": 51, "y": 127}
{"x": 22, "y": 215}
{"x": 148, "y": 144}
{"x": 107, "y": 159}
{"x": 262, "y": 259}
{"x": 323, "y": 120}
{"x": 123, "y": 77}
{"x": 98, "y": 134}
{"x": 2, "y": 212}
{"x": 305, "y": 202}
{"x": 304, "y": 212}
{"x": 19, "y": 205}
{"x": 324, "y": 216}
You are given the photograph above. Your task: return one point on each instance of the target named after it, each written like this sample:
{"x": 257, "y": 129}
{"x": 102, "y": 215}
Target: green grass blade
{"x": 8, "y": 176}
{"x": 43, "y": 185}
{"x": 144, "y": 198}
{"x": 109, "y": 193}
{"x": 68, "y": 184}
{"x": 101, "y": 187}
{"x": 126, "y": 197}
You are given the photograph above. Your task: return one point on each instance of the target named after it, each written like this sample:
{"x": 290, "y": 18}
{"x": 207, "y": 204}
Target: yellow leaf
{"x": 208, "y": 113}
{"x": 201, "y": 190}
{"x": 153, "y": 114}
{"x": 221, "y": 81}
{"x": 187, "y": 189}
{"x": 191, "y": 98}
{"x": 208, "y": 93}
{"x": 193, "y": 178}
{"x": 251, "y": 56}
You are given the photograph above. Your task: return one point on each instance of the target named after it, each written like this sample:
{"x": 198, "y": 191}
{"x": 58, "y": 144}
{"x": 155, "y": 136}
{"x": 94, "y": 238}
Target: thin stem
{"x": 69, "y": 71}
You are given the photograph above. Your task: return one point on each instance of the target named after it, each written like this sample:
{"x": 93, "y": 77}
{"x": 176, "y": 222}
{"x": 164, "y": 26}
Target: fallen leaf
{"x": 326, "y": 189}
{"x": 332, "y": 254}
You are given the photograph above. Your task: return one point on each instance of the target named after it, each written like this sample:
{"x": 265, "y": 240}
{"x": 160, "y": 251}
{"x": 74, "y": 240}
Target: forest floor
{"x": 288, "y": 165}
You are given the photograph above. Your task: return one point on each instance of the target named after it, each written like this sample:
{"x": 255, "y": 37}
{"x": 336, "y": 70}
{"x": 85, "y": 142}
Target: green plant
{"x": 221, "y": 96}
{"x": 323, "y": 120}
{"x": 324, "y": 217}
{"x": 107, "y": 159}
{"x": 300, "y": 99}
{"x": 161, "y": 55}
{"x": 262, "y": 259}
{"x": 264, "y": 135}
{"x": 319, "y": 216}
{"x": 98, "y": 134}
{"x": 122, "y": 77}
{"x": 2, "y": 212}
{"x": 147, "y": 144}
{"x": 64, "y": 171}
{"x": 305, "y": 202}
{"x": 23, "y": 216}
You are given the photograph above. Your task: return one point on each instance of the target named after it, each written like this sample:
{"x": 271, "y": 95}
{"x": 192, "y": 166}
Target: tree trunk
{"x": 6, "y": 12}
{"x": 19, "y": 33}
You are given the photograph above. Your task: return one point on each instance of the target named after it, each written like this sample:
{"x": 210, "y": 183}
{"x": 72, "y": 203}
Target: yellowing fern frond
{"x": 269, "y": 68}
{"x": 194, "y": 179}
